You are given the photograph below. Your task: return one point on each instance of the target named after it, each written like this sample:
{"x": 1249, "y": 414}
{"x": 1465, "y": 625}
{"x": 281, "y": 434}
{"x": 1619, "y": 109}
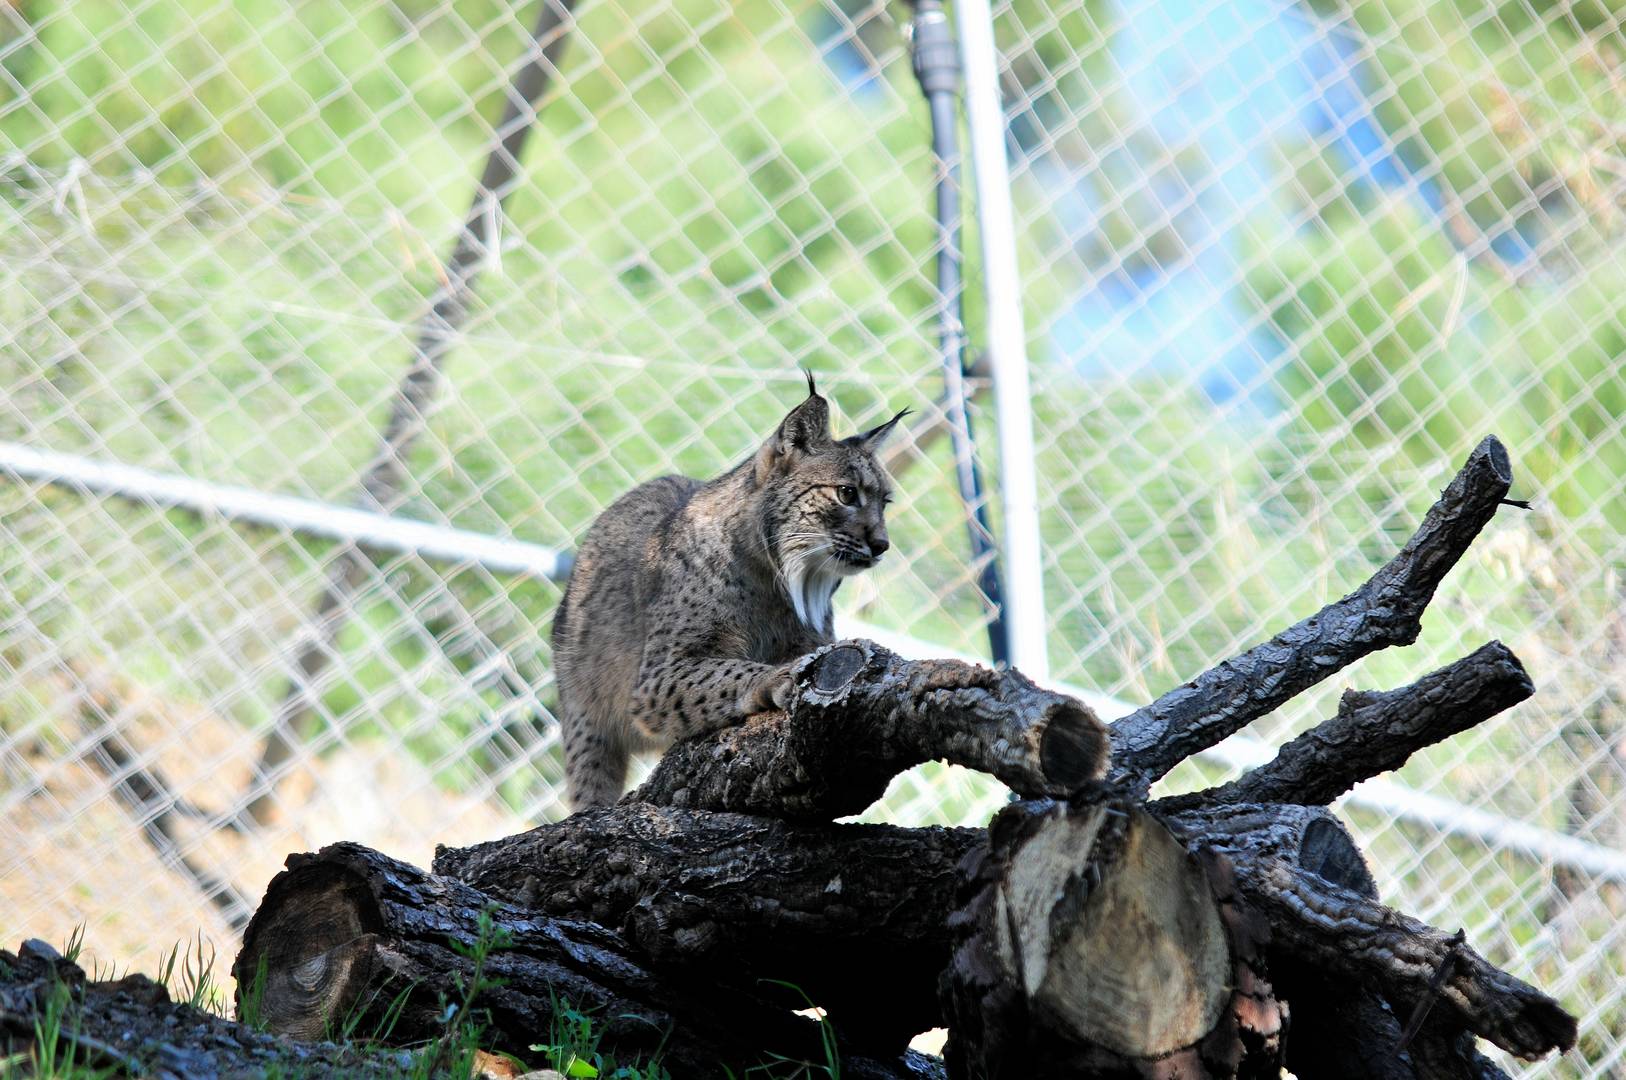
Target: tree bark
{"x": 1386, "y": 610}
{"x": 860, "y": 715}
{"x": 1352, "y": 936}
{"x": 1375, "y": 732}
{"x": 344, "y": 931}
{"x": 854, "y": 915}
{"x": 1091, "y": 942}
{"x": 738, "y": 897}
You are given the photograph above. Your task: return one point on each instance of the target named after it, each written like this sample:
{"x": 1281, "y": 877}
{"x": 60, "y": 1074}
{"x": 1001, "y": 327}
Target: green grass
{"x": 573, "y": 1047}
{"x": 193, "y": 981}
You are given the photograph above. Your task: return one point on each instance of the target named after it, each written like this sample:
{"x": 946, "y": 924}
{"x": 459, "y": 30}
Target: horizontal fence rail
{"x": 384, "y": 532}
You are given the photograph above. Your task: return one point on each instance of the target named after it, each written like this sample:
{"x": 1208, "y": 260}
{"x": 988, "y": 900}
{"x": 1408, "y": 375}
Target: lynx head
{"x": 823, "y": 504}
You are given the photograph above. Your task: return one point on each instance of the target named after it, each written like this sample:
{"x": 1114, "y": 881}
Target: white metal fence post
{"x": 1007, "y": 341}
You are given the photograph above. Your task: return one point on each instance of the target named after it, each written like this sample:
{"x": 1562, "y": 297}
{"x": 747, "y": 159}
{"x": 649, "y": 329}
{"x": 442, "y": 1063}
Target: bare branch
{"x": 1385, "y": 611}
{"x": 1374, "y": 732}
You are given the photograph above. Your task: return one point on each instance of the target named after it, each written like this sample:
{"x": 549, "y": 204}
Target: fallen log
{"x": 353, "y": 936}
{"x": 859, "y": 715}
{"x": 128, "y": 1026}
{"x": 1350, "y": 935}
{"x": 1343, "y": 1027}
{"x": 854, "y": 915}
{"x": 1298, "y": 866}
{"x": 1086, "y": 932}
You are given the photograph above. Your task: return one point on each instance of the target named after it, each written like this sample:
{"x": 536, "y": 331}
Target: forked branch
{"x": 1385, "y": 611}
{"x": 1374, "y": 732}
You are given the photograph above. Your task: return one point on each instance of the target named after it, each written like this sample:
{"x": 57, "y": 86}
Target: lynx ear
{"x": 875, "y": 436}
{"x": 803, "y": 428}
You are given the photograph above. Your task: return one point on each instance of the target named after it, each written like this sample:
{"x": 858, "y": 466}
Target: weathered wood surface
{"x": 747, "y": 896}
{"x": 344, "y": 931}
{"x": 1342, "y": 1025}
{"x": 1387, "y": 610}
{"x": 1092, "y": 942}
{"x": 860, "y": 714}
{"x": 1353, "y": 936}
{"x": 855, "y": 915}
{"x": 1375, "y": 732}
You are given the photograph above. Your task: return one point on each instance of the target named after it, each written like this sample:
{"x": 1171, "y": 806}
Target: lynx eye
{"x": 847, "y": 494}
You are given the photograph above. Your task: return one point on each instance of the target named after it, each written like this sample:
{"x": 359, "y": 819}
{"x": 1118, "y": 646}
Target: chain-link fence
{"x": 277, "y": 546}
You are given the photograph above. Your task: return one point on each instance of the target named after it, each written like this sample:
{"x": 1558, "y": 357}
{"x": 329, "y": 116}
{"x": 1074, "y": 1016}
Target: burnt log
{"x": 854, "y": 915}
{"x": 1374, "y": 732}
{"x": 1343, "y": 1026}
{"x": 1386, "y": 610}
{"x": 1413, "y": 965}
{"x": 351, "y": 936}
{"x": 1092, "y": 942}
{"x": 860, "y": 714}
{"x": 1086, "y": 932}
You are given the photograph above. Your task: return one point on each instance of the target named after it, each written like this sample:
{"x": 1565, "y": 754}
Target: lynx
{"x": 688, "y": 599}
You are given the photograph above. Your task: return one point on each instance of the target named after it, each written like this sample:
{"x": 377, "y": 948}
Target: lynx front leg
{"x": 682, "y": 698}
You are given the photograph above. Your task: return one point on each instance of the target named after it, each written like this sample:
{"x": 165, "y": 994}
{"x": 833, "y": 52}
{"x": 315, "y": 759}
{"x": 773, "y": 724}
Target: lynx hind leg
{"x": 595, "y": 762}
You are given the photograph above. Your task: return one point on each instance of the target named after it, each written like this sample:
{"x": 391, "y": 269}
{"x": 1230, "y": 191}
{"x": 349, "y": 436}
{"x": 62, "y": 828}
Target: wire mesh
{"x": 1283, "y": 264}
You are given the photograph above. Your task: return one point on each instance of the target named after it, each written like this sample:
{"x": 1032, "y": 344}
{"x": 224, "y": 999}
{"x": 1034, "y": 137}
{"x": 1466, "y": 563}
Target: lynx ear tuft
{"x": 875, "y": 436}
{"x": 808, "y": 424}
{"x": 804, "y": 428}
{"x": 812, "y": 391}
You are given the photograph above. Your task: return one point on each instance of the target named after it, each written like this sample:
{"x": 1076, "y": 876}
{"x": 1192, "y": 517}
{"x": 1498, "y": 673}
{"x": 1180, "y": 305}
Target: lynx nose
{"x": 878, "y": 545}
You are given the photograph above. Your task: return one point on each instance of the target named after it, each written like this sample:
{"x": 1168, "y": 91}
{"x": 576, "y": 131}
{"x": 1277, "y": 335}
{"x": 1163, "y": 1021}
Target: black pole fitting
{"x": 936, "y": 61}
{"x": 933, "y": 54}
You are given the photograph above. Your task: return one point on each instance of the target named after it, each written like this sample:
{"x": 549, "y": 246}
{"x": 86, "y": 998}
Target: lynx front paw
{"x": 771, "y": 693}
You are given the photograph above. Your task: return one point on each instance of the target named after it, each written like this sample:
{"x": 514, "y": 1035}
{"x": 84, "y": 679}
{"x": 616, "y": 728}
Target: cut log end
{"x": 1073, "y": 746}
{"x": 834, "y": 669}
{"x": 1142, "y": 968}
{"x": 312, "y": 955}
{"x": 1095, "y": 935}
{"x": 1494, "y": 454}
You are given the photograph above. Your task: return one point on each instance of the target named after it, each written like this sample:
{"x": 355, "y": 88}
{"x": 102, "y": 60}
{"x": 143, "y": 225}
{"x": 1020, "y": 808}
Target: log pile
{"x": 1088, "y": 930}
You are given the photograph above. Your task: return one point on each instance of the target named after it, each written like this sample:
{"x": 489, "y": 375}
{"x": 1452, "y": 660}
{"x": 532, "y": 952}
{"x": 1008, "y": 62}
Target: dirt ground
{"x": 74, "y": 853}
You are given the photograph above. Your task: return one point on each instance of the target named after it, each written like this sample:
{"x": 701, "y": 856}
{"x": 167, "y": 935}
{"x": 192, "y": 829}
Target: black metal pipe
{"x": 936, "y": 63}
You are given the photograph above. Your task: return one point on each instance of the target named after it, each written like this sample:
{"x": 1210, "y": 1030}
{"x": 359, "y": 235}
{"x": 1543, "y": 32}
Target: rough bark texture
{"x": 855, "y": 915}
{"x": 1308, "y": 837}
{"x": 1091, "y": 942}
{"x": 1374, "y": 732}
{"x": 1350, "y": 935}
{"x": 1385, "y": 611}
{"x": 1341, "y": 1030}
{"x": 862, "y": 714}
{"x": 346, "y": 930}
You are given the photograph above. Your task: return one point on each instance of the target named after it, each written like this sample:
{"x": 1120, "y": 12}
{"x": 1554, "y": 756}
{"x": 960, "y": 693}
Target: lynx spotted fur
{"x": 688, "y": 599}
